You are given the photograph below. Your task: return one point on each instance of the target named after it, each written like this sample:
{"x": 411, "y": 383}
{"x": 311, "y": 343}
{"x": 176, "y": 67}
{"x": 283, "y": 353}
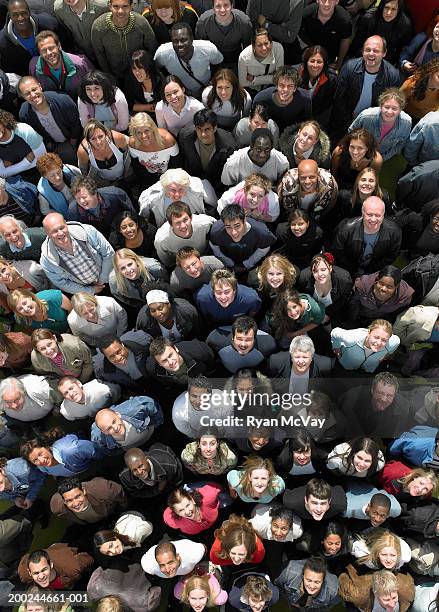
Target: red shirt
{"x": 257, "y": 556}
{"x": 391, "y": 472}
{"x": 56, "y": 584}
{"x": 208, "y": 510}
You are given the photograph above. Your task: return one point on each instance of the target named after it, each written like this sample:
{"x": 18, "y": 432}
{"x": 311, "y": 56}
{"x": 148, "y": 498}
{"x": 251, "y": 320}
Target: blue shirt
{"x": 246, "y": 301}
{"x": 28, "y": 43}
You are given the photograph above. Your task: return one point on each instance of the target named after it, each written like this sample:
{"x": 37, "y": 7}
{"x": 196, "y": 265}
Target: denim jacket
{"x": 394, "y": 141}
{"x": 140, "y": 412}
{"x": 290, "y": 582}
{"x": 423, "y": 144}
{"x": 25, "y": 479}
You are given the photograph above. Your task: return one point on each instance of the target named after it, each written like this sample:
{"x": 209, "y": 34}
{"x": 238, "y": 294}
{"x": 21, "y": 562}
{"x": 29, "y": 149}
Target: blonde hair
{"x": 281, "y": 262}
{"x": 392, "y": 93}
{"x": 254, "y": 462}
{"x": 120, "y": 279}
{"x": 110, "y": 603}
{"x": 376, "y": 542}
{"x": 223, "y": 277}
{"x": 384, "y": 582}
{"x": 198, "y": 582}
{"x": 81, "y": 299}
{"x": 175, "y": 175}
{"x": 143, "y": 120}
{"x": 418, "y": 473}
{"x": 257, "y": 180}
{"x": 18, "y": 294}
{"x": 381, "y": 323}
{"x": 10, "y": 265}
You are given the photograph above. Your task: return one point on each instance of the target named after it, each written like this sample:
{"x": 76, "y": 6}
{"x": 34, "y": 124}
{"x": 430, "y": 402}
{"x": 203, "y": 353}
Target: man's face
{"x": 308, "y": 177}
{"x": 168, "y": 563}
{"x": 197, "y": 395}
{"x": 32, "y": 92}
{"x": 139, "y": 467}
{"x": 12, "y": 233}
{"x": 120, "y": 12}
{"x": 40, "y": 572}
{"x": 383, "y": 396}
{"x": 373, "y": 53}
{"x": 58, "y": 232}
{"x": 373, "y": 216}
{"x": 260, "y": 151}
{"x": 182, "y": 43}
{"x": 224, "y": 294}
{"x": 116, "y": 353}
{"x": 20, "y": 17}
{"x": 182, "y": 225}
{"x": 192, "y": 266}
{"x": 75, "y": 500}
{"x": 85, "y": 199}
{"x": 301, "y": 361}
{"x": 206, "y": 133}
{"x": 223, "y": 10}
{"x": 111, "y": 424}
{"x": 244, "y": 341}
{"x": 317, "y": 507}
{"x": 235, "y": 228}
{"x": 376, "y": 514}
{"x": 50, "y": 52}
{"x": 73, "y": 391}
{"x": 170, "y": 359}
{"x": 13, "y": 399}
{"x": 312, "y": 582}
{"x": 326, "y": 7}
{"x": 285, "y": 90}
{"x": 388, "y": 602}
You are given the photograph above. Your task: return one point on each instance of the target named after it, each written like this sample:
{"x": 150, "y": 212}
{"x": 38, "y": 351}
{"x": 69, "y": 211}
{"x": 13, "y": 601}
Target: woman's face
{"x": 54, "y": 175}
{"x": 48, "y": 348}
{"x": 41, "y": 457}
{"x": 175, "y": 192}
{"x": 7, "y": 274}
{"x": 262, "y": 47}
{"x": 98, "y": 139}
{"x": 26, "y": 307}
{"x": 302, "y": 457}
{"x": 306, "y": 138}
{"x": 256, "y": 605}
{"x": 367, "y": 184}
{"x": 384, "y": 288}
{"x": 128, "y": 268}
{"x": 198, "y": 599}
{"x": 111, "y": 548}
{"x": 245, "y": 386}
{"x": 259, "y": 480}
{"x": 390, "y": 110}
{"x": 255, "y": 195}
{"x": 377, "y": 339}
{"x": 160, "y": 311}
{"x": 257, "y": 122}
{"x": 145, "y": 135}
{"x": 238, "y": 554}
{"x": 332, "y": 544}
{"x": 315, "y": 65}
{"x": 357, "y": 149}
{"x": 362, "y": 461}
{"x": 299, "y": 227}
{"x": 322, "y": 272}
{"x": 388, "y": 557}
{"x": 5, "y": 133}
{"x": 89, "y": 312}
{"x": 224, "y": 90}
{"x": 208, "y": 446}
{"x": 186, "y": 508}
{"x": 420, "y": 486}
{"x": 280, "y": 528}
{"x": 174, "y": 95}
{"x": 95, "y": 93}
{"x": 275, "y": 277}
{"x": 140, "y": 74}
{"x": 390, "y": 10}
{"x": 128, "y": 228}
{"x": 165, "y": 14}
{"x": 294, "y": 310}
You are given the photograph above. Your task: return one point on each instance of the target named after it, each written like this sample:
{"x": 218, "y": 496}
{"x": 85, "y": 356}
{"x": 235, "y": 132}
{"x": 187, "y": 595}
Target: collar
{"x": 27, "y": 244}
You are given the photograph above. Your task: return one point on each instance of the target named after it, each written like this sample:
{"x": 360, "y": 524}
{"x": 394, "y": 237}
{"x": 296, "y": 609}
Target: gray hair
{"x": 9, "y": 218}
{"x": 385, "y": 378}
{"x": 302, "y": 343}
{"x": 8, "y": 384}
{"x": 175, "y": 175}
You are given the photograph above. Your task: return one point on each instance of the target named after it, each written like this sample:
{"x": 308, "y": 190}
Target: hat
{"x": 157, "y": 296}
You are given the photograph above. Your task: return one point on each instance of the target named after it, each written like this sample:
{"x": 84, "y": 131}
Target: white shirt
{"x": 190, "y": 553}
{"x": 97, "y": 395}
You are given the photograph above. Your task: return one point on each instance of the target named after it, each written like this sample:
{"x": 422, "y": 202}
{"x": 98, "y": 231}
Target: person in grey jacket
{"x": 84, "y": 400}
{"x": 308, "y": 584}
{"x": 74, "y": 256}
{"x": 418, "y": 186}
{"x": 423, "y": 141}
{"x": 96, "y": 319}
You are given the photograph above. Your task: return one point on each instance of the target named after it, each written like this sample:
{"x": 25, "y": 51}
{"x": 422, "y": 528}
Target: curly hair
{"x": 47, "y": 161}
{"x": 421, "y": 77}
{"x": 281, "y": 323}
{"x": 254, "y": 462}
{"x": 236, "y": 531}
{"x": 7, "y": 120}
{"x": 281, "y": 262}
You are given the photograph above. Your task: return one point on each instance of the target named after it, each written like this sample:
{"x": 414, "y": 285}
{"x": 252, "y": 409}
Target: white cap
{"x": 157, "y": 296}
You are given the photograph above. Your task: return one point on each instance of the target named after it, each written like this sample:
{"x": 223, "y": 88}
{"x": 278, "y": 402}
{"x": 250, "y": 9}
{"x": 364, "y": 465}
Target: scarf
{"x": 241, "y": 199}
{"x": 121, "y": 32}
{"x": 56, "y": 198}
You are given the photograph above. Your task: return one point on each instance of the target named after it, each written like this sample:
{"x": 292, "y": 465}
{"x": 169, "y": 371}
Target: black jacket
{"x": 197, "y": 356}
{"x": 419, "y": 186}
{"x": 340, "y": 292}
{"x": 225, "y": 145}
{"x": 295, "y": 500}
{"x": 186, "y": 319}
{"x": 284, "y": 461}
{"x": 420, "y": 519}
{"x": 349, "y": 246}
{"x": 299, "y": 250}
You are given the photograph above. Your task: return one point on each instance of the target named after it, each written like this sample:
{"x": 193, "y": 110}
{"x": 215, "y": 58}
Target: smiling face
{"x": 299, "y": 227}
{"x": 111, "y": 424}
{"x": 183, "y": 43}
{"x": 89, "y": 312}
{"x": 301, "y": 361}
{"x": 140, "y": 73}
{"x": 170, "y": 359}
{"x": 55, "y": 176}
{"x": 377, "y": 514}
{"x": 255, "y": 195}
{"x": 198, "y": 599}
{"x": 20, "y": 16}
{"x": 420, "y": 486}
{"x": 75, "y": 500}
{"x": 388, "y": 601}
{"x": 41, "y": 457}
{"x": 257, "y": 122}
{"x": 13, "y": 398}
{"x": 111, "y": 548}
{"x": 377, "y": 339}
{"x": 174, "y": 95}
{"x": 41, "y": 572}
{"x": 367, "y": 183}
{"x": 186, "y": 508}
{"x": 116, "y": 353}
{"x": 238, "y": 554}
{"x": 390, "y": 110}
{"x": 259, "y": 480}
{"x": 256, "y": 440}
{"x": 165, "y": 14}
{"x": 294, "y": 310}
{"x": 128, "y": 228}
{"x": 262, "y": 46}
{"x": 260, "y": 151}
{"x": 317, "y": 507}
{"x": 128, "y": 268}
{"x": 244, "y": 342}
{"x": 50, "y": 51}
{"x": 95, "y": 93}
{"x": 168, "y": 563}
{"x": 285, "y": 90}
{"x": 73, "y": 390}
{"x": 383, "y": 395}
{"x": 85, "y": 199}
{"x": 58, "y": 231}
{"x": 373, "y": 215}
{"x": 7, "y": 274}
{"x": 275, "y": 277}
{"x": 139, "y": 466}
{"x": 332, "y": 544}
{"x": 315, "y": 65}
{"x": 224, "y": 90}
{"x": 357, "y": 150}
{"x": 302, "y": 456}
{"x": 175, "y": 192}
{"x": 208, "y": 446}
{"x": 224, "y": 294}
{"x": 280, "y": 528}
{"x": 26, "y": 307}
{"x": 48, "y": 348}
{"x": 182, "y": 227}
{"x": 32, "y": 92}
{"x": 160, "y": 311}
{"x": 192, "y": 266}
{"x": 373, "y": 53}
{"x": 312, "y": 582}
{"x": 384, "y": 288}
{"x": 223, "y": 11}
{"x": 12, "y": 233}
{"x": 306, "y": 138}
{"x": 235, "y": 228}
{"x": 322, "y": 272}
{"x": 120, "y": 12}
{"x": 362, "y": 461}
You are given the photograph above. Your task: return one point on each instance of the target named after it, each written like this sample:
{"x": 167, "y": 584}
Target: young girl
{"x": 333, "y": 543}
{"x": 400, "y": 480}
{"x": 360, "y": 457}
{"x": 256, "y": 481}
{"x": 47, "y": 309}
{"x": 255, "y": 196}
{"x": 193, "y": 511}
{"x": 227, "y": 98}
{"x": 381, "y": 549}
{"x": 200, "y": 592}
{"x": 366, "y": 184}
{"x": 275, "y": 274}
{"x": 208, "y": 455}
{"x": 236, "y": 543}
{"x": 301, "y": 238}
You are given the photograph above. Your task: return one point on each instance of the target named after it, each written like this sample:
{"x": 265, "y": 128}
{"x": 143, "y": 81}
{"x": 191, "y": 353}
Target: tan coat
{"x": 416, "y": 324}
{"x": 77, "y": 359}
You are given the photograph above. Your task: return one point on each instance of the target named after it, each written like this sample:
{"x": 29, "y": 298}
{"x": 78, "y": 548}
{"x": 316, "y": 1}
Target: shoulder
{"x": 167, "y": 137}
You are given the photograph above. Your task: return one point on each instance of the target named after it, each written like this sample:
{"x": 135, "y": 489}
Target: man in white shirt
{"x": 169, "y": 559}
{"x": 82, "y": 401}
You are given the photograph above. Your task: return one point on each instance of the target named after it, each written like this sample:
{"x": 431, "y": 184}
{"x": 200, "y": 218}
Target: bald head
{"x": 110, "y": 423}
{"x": 132, "y": 455}
{"x": 137, "y": 463}
{"x": 308, "y": 174}
{"x": 58, "y": 231}
{"x": 373, "y": 210}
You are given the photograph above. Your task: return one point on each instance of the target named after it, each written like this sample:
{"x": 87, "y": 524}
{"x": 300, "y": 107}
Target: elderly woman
{"x": 174, "y": 186}
{"x": 422, "y": 89}
{"x": 388, "y": 122}
{"x": 364, "y": 349}
{"x": 306, "y": 141}
{"x": 153, "y": 150}
{"x": 63, "y": 355}
{"x": 255, "y": 196}
{"x": 54, "y": 194}
{"x": 96, "y": 319}
{"x": 169, "y": 317}
{"x": 23, "y": 274}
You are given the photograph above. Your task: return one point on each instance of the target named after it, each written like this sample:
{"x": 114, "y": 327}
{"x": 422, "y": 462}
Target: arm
{"x": 36, "y": 480}
{"x": 26, "y": 163}
{"x": 66, "y": 304}
{"x": 122, "y": 112}
{"x": 342, "y": 51}
{"x": 287, "y": 32}
{"x": 84, "y": 115}
{"x": 229, "y": 263}
{"x": 83, "y": 159}
{"x": 99, "y": 49}
{"x": 253, "y": 260}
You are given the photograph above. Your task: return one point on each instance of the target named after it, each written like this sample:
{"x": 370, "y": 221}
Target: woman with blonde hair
{"x": 255, "y": 481}
{"x": 96, "y": 318}
{"x": 236, "y": 542}
{"x": 47, "y": 309}
{"x": 256, "y": 196}
{"x": 133, "y": 276}
{"x": 153, "y": 150}
{"x": 200, "y": 592}
{"x": 381, "y": 549}
{"x": 21, "y": 274}
{"x": 398, "y": 479}
{"x": 62, "y": 355}
{"x": 422, "y": 89}
{"x": 275, "y": 274}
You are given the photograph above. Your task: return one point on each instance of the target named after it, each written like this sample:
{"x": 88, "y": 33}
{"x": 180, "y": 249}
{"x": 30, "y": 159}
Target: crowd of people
{"x": 219, "y": 305}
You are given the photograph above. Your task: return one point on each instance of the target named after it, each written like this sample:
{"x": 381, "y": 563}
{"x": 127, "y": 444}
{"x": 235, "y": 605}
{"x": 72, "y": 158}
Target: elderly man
{"x": 310, "y": 188}
{"x": 19, "y": 242}
{"x": 75, "y": 257}
{"x": 149, "y": 474}
{"x": 18, "y": 198}
{"x": 169, "y": 559}
{"x": 84, "y": 400}
{"x": 26, "y": 398}
{"x": 366, "y": 244}
{"x": 126, "y": 425}
{"x": 260, "y": 157}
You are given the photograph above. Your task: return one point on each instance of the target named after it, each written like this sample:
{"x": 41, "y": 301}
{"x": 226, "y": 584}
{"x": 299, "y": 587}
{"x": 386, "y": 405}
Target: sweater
{"x": 80, "y": 28}
{"x": 353, "y": 355}
{"x": 208, "y": 511}
{"x": 229, "y": 41}
{"x": 239, "y": 166}
{"x": 256, "y": 557}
